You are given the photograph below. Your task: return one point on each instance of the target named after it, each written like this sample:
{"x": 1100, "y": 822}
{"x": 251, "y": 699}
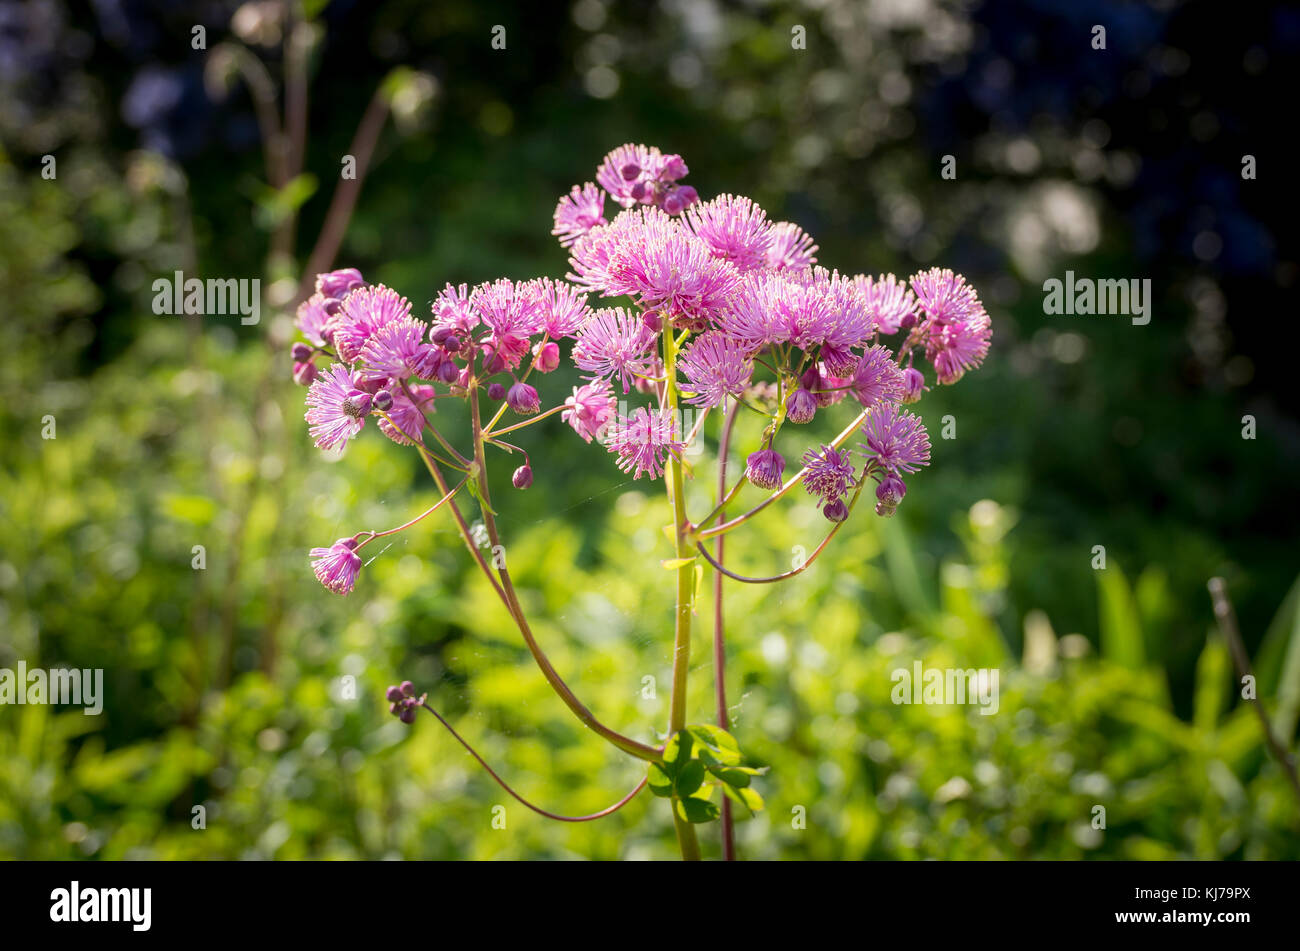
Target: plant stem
{"x": 626, "y": 744}
{"x": 794, "y": 480}
{"x": 719, "y": 644}
{"x": 686, "y": 839}
{"x": 1227, "y": 619}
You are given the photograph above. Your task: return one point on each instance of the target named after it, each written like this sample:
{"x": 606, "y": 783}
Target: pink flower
{"x": 643, "y": 440}
{"x": 561, "y": 308}
{"x": 628, "y": 173}
{"x": 452, "y": 310}
{"x": 896, "y": 438}
{"x": 337, "y": 567}
{"x": 407, "y": 417}
{"x": 715, "y": 367}
{"x": 889, "y": 301}
{"x": 944, "y": 296}
{"x": 664, "y": 266}
{"x": 877, "y": 379}
{"x": 959, "y": 346}
{"x": 364, "y": 311}
{"x": 751, "y": 319}
{"x": 612, "y": 343}
{"x": 734, "y": 229}
{"x": 313, "y": 315}
{"x": 791, "y": 248}
{"x": 398, "y": 350}
{"x": 336, "y": 408}
{"x": 829, "y": 473}
{"x": 589, "y": 409}
{"x": 578, "y": 212}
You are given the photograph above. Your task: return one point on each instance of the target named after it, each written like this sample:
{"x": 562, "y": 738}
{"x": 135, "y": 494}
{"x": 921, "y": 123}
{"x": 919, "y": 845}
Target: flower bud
{"x": 687, "y": 195}
{"x": 393, "y": 694}
{"x": 496, "y": 391}
{"x": 673, "y": 203}
{"x": 674, "y": 167}
{"x": 305, "y": 373}
{"x": 800, "y": 406}
{"x": 447, "y": 371}
{"x": 407, "y": 688}
{"x": 440, "y": 335}
{"x": 407, "y": 716}
{"x": 891, "y": 490}
{"x": 493, "y": 362}
{"x": 913, "y": 384}
{"x": 764, "y": 468}
{"x": 301, "y": 352}
{"x": 338, "y": 283}
{"x": 836, "y": 511}
{"x": 907, "y": 321}
{"x": 653, "y": 320}
{"x": 546, "y": 356}
{"x": 451, "y": 343}
{"x": 523, "y": 399}
{"x": 383, "y": 401}
{"x": 523, "y": 477}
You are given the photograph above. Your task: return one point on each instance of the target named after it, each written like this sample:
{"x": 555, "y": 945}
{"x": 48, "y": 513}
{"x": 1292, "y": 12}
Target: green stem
{"x": 686, "y": 840}
{"x": 624, "y": 743}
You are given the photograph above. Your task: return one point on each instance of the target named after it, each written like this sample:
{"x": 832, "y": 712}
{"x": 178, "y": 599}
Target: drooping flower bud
{"x": 393, "y": 694}
{"x": 448, "y": 371}
{"x": 891, "y": 490}
{"x": 907, "y": 321}
{"x": 546, "y": 356}
{"x": 305, "y": 373}
{"x": 407, "y": 716}
{"x": 383, "y": 401}
{"x": 836, "y": 511}
{"x": 496, "y": 391}
{"x": 407, "y": 688}
{"x": 800, "y": 406}
{"x": 913, "y": 384}
{"x": 764, "y": 468}
{"x": 653, "y": 320}
{"x": 523, "y": 477}
{"x": 300, "y": 352}
{"x": 523, "y": 399}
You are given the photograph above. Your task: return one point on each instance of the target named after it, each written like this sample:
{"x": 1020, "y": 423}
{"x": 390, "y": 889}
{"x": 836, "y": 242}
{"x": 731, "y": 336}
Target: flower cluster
{"x": 714, "y": 304}
{"x": 402, "y": 701}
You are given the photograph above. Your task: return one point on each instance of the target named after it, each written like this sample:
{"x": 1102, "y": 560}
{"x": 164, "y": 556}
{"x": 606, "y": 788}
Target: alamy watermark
{"x": 83, "y": 688}
{"x": 179, "y": 295}
{"x": 947, "y": 685}
{"x": 1084, "y": 296}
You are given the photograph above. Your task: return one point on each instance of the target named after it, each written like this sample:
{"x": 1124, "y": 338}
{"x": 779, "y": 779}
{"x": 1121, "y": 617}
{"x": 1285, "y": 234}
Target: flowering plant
{"x": 724, "y": 310}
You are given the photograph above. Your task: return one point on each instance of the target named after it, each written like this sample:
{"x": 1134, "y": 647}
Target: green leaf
{"x": 660, "y": 783}
{"x": 677, "y": 751}
{"x": 472, "y": 485}
{"x": 1212, "y": 678}
{"x": 1121, "y": 632}
{"x": 736, "y": 775}
{"x": 689, "y": 778}
{"x": 716, "y": 744}
{"x": 696, "y": 810}
{"x": 672, "y": 564}
{"x": 747, "y": 797}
